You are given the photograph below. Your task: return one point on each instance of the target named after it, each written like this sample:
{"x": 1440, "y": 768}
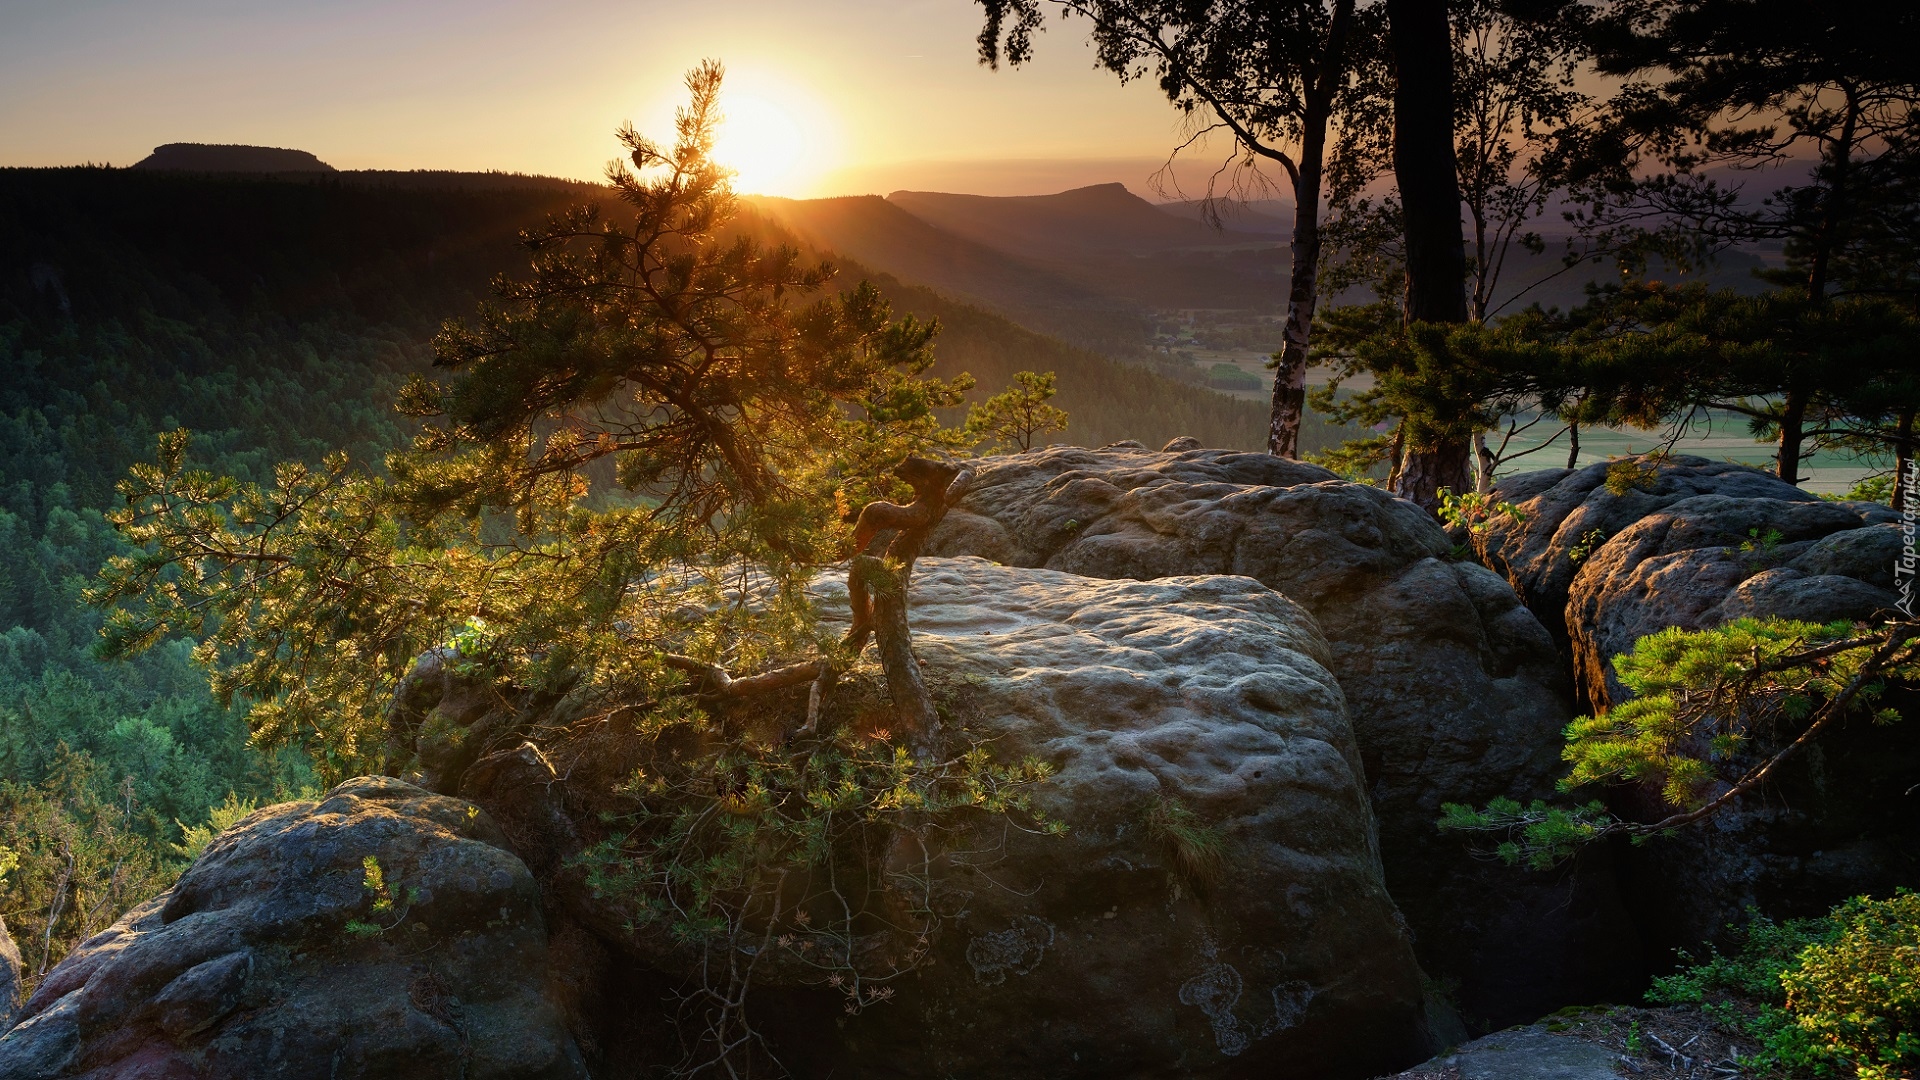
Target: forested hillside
{"x": 274, "y": 318}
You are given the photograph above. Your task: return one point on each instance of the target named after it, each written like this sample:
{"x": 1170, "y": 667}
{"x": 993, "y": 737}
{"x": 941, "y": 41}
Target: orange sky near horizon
{"x": 834, "y": 97}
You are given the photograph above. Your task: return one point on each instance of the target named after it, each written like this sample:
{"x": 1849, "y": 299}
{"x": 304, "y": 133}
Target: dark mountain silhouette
{"x": 1102, "y": 218}
{"x": 209, "y": 157}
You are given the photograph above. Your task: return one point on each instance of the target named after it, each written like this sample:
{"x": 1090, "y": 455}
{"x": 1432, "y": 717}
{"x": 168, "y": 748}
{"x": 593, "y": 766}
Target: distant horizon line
{"x": 1152, "y": 178}
{"x": 1062, "y": 165}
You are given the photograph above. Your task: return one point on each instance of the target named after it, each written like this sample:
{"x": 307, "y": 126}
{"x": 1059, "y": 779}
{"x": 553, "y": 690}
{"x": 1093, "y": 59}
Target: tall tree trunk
{"x": 1483, "y": 464}
{"x": 1290, "y": 373}
{"x": 1425, "y": 166}
{"x": 1793, "y": 421}
{"x": 1902, "y": 456}
{"x": 1290, "y": 369}
{"x": 1573, "y": 451}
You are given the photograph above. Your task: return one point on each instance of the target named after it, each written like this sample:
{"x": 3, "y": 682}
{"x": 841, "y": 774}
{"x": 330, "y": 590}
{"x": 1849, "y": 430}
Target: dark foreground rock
{"x": 253, "y": 965}
{"x": 1100, "y": 952}
{"x": 1602, "y": 1042}
{"x": 1525, "y": 1053}
{"x": 1456, "y": 692}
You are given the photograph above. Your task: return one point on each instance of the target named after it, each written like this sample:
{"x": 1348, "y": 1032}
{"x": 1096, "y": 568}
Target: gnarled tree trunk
{"x": 877, "y": 588}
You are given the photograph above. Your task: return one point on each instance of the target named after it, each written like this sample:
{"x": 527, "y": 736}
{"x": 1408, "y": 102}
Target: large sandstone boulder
{"x": 1106, "y": 951}
{"x": 1705, "y": 560}
{"x": 1456, "y": 693}
{"x": 1570, "y": 513}
{"x": 1693, "y": 543}
{"x": 1089, "y": 954}
{"x": 269, "y": 960}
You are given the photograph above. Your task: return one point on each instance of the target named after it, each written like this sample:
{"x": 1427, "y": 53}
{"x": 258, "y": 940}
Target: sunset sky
{"x": 835, "y": 97}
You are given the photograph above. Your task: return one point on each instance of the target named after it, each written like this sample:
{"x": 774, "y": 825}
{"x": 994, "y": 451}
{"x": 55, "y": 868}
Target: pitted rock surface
{"x": 247, "y": 968}
{"x": 1090, "y": 954}
{"x": 1456, "y": 692}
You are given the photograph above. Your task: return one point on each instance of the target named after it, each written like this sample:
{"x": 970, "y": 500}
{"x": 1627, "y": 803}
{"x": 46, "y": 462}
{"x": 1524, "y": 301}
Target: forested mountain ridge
{"x": 882, "y": 235}
{"x": 1102, "y": 217}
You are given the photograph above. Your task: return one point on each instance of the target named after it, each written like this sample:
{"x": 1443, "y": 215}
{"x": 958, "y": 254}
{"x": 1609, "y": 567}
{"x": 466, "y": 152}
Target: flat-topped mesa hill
{"x": 231, "y": 158}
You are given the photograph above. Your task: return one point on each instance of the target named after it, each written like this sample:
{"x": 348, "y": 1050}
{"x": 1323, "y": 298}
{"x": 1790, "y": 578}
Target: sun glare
{"x": 777, "y": 132}
{"x": 762, "y": 143}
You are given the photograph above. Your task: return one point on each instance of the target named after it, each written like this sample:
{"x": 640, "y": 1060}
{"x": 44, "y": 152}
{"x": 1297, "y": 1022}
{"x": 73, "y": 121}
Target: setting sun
{"x": 762, "y": 143}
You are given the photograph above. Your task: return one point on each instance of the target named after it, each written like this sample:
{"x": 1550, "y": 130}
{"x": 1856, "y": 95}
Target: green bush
{"x": 1837, "y": 996}
{"x": 1857, "y": 995}
{"x": 1877, "y": 489}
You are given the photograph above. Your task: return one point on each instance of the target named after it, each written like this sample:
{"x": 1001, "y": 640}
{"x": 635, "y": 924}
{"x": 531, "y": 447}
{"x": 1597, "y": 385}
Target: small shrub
{"x": 1759, "y": 549}
{"x": 1477, "y": 514}
{"x": 475, "y": 646}
{"x": 1856, "y": 995}
{"x": 1878, "y": 489}
{"x": 195, "y": 838}
{"x": 1752, "y": 971}
{"x": 1195, "y": 849}
{"x": 386, "y": 903}
{"x": 1835, "y": 996}
{"x": 1590, "y": 542}
{"x": 1633, "y": 474}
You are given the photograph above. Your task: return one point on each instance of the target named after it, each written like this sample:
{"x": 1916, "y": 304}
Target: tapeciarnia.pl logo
{"x": 1903, "y": 570}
